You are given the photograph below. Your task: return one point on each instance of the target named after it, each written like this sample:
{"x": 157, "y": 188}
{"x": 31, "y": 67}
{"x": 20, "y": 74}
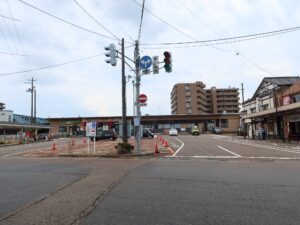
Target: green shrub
{"x": 124, "y": 147}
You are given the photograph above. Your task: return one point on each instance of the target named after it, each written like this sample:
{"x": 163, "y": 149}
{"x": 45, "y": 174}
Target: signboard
{"x": 143, "y": 104}
{"x": 136, "y": 122}
{"x": 142, "y": 98}
{"x": 145, "y": 62}
{"x": 91, "y": 129}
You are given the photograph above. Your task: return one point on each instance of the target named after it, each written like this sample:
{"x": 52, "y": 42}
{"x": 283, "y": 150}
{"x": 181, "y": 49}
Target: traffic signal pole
{"x": 137, "y": 85}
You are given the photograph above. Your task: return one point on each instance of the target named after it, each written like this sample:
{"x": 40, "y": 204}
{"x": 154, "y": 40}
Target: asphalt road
{"x": 219, "y": 146}
{"x": 210, "y": 179}
{"x": 200, "y": 191}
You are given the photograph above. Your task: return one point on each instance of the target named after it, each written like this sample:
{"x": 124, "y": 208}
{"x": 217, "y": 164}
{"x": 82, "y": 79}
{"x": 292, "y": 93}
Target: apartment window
{"x": 265, "y": 107}
{"x": 189, "y": 111}
{"x": 224, "y": 123}
{"x": 296, "y": 98}
{"x": 188, "y": 99}
{"x": 253, "y": 110}
{"x": 187, "y": 88}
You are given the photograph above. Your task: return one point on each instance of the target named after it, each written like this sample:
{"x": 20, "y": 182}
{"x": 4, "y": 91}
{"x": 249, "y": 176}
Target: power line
{"x": 165, "y": 22}
{"x": 13, "y": 54}
{"x": 93, "y": 18}
{"x": 244, "y": 37}
{"x": 174, "y": 28}
{"x": 10, "y": 18}
{"x": 51, "y": 66}
{"x": 112, "y": 20}
{"x": 65, "y": 21}
{"x": 141, "y": 22}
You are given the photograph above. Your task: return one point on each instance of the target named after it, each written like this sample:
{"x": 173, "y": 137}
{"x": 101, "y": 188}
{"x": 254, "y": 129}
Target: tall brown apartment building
{"x": 193, "y": 98}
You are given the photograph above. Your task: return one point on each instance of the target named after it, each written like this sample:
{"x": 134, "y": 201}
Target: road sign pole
{"x": 138, "y": 108}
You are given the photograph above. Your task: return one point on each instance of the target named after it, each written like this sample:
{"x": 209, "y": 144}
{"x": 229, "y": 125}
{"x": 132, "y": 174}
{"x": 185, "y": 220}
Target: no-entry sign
{"x": 142, "y": 98}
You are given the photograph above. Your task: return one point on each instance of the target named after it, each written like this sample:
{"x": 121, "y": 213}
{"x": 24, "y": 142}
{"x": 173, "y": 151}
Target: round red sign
{"x": 142, "y": 98}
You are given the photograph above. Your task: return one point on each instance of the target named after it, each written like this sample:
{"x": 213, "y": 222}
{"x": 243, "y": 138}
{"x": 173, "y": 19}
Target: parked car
{"x": 173, "y": 132}
{"x": 195, "y": 131}
{"x": 217, "y": 130}
{"x": 105, "y": 134}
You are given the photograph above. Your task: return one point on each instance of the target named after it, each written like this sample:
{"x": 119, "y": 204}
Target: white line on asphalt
{"x": 208, "y": 157}
{"x": 19, "y": 153}
{"x": 229, "y": 151}
{"x": 182, "y": 144}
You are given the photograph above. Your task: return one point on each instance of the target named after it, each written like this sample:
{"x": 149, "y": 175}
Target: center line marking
{"x": 229, "y": 151}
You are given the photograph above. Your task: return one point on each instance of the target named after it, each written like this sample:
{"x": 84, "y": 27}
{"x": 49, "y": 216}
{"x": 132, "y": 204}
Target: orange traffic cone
{"x": 156, "y": 148}
{"x": 166, "y": 144}
{"x": 53, "y": 147}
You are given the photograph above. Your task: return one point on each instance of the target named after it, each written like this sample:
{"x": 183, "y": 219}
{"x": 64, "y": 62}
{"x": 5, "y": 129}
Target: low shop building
{"x": 228, "y": 122}
{"x": 274, "y": 110}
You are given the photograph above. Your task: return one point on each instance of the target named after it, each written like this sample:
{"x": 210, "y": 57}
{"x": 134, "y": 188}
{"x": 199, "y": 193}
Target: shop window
{"x": 224, "y": 123}
{"x": 62, "y": 129}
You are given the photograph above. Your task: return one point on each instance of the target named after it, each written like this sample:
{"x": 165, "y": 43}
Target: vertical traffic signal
{"x": 112, "y": 54}
{"x": 168, "y": 61}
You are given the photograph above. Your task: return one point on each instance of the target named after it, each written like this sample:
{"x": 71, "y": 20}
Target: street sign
{"x": 145, "y": 62}
{"x": 143, "y": 104}
{"x": 142, "y": 98}
{"x": 91, "y": 129}
{"x": 155, "y": 65}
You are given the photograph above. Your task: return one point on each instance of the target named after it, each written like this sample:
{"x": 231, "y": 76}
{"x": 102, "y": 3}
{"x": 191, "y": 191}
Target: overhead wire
{"x": 93, "y": 18}
{"x": 217, "y": 43}
{"x": 217, "y": 33}
{"x": 10, "y": 18}
{"x": 13, "y": 54}
{"x": 173, "y": 27}
{"x": 112, "y": 20}
{"x": 246, "y": 37}
{"x": 52, "y": 66}
{"x": 67, "y": 22}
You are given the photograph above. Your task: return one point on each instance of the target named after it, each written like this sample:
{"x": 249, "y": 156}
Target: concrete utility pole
{"x": 138, "y": 107}
{"x": 242, "y": 92}
{"x": 124, "y": 120}
{"x": 33, "y": 99}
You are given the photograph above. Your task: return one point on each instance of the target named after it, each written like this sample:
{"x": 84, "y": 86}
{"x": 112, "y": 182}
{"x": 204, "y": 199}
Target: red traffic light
{"x": 167, "y": 54}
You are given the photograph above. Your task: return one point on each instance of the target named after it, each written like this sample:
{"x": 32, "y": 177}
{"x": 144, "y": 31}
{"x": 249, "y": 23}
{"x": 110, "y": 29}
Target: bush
{"x": 124, "y": 147}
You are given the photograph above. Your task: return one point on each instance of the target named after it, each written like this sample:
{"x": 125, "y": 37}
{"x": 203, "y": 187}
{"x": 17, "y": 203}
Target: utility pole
{"x": 124, "y": 120}
{"x": 242, "y": 92}
{"x": 137, "y": 84}
{"x": 243, "y": 100}
{"x": 33, "y": 103}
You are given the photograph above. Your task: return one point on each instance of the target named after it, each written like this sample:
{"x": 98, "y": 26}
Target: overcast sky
{"x": 93, "y": 88}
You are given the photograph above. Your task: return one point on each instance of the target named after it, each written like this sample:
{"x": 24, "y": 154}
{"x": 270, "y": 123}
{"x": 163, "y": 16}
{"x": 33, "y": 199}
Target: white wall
{"x": 6, "y": 116}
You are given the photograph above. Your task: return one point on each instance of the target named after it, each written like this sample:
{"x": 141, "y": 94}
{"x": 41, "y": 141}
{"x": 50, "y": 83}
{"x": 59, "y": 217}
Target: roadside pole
{"x": 138, "y": 108}
{"x": 124, "y": 119}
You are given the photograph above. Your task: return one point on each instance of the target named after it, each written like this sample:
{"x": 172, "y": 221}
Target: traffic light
{"x": 168, "y": 61}
{"x": 112, "y": 54}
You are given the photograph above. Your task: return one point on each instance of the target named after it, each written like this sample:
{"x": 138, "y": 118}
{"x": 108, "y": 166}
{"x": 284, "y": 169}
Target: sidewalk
{"x": 104, "y": 148}
{"x": 276, "y": 142}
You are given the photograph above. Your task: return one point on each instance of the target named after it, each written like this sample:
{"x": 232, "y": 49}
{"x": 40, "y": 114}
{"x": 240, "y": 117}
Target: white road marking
{"x": 182, "y": 144}
{"x": 229, "y": 151}
{"x": 234, "y": 157}
{"x": 18, "y": 153}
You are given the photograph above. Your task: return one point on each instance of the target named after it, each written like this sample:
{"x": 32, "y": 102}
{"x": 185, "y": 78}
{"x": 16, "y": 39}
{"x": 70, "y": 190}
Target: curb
{"x": 105, "y": 156}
